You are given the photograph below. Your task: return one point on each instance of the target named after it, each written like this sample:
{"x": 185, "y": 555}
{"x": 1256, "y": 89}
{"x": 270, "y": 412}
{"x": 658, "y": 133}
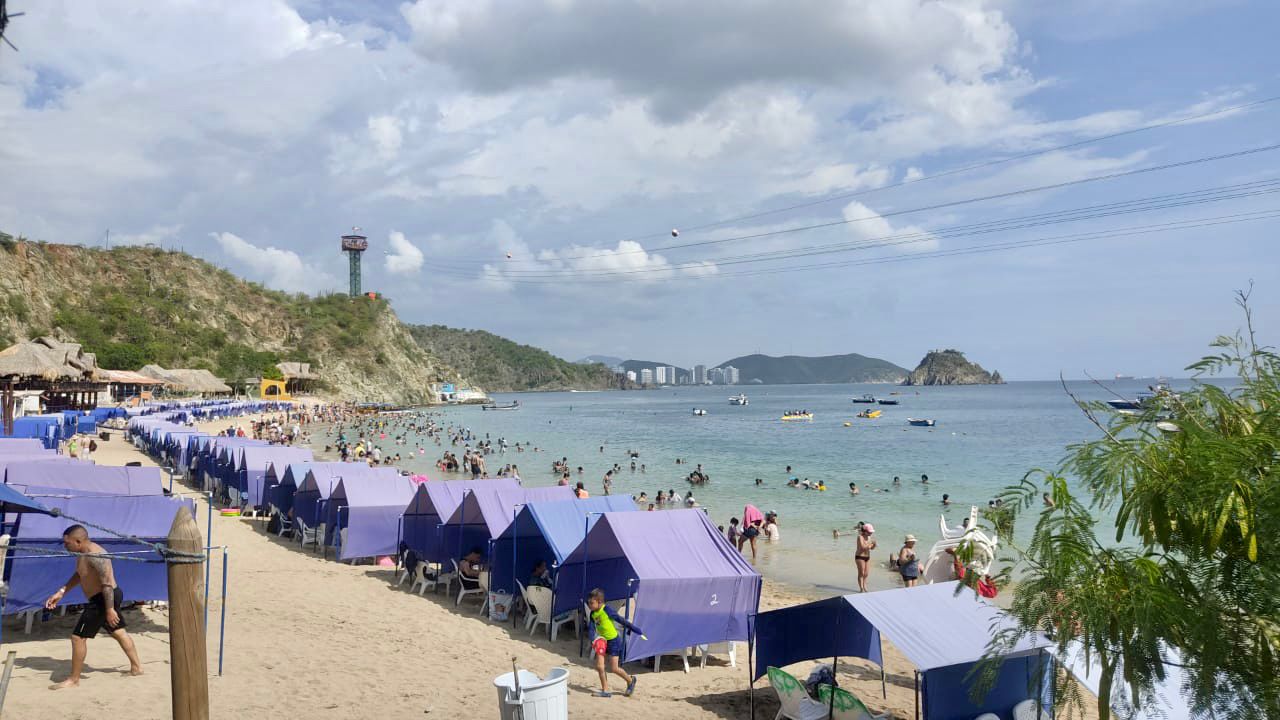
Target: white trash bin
{"x": 538, "y": 699}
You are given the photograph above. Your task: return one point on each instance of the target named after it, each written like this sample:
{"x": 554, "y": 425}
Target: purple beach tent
{"x": 254, "y": 464}
{"x": 943, "y": 633}
{"x": 310, "y": 502}
{"x": 20, "y": 446}
{"x": 547, "y": 531}
{"x": 685, "y": 583}
{"x": 434, "y": 502}
{"x": 282, "y": 482}
{"x": 33, "y": 578}
{"x": 368, "y": 508}
{"x": 487, "y": 510}
{"x": 82, "y": 478}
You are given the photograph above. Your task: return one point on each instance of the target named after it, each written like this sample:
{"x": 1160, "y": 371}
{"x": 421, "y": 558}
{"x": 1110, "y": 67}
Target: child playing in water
{"x": 608, "y": 642}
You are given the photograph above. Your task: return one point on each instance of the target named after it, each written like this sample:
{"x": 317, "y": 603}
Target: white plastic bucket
{"x": 538, "y": 699}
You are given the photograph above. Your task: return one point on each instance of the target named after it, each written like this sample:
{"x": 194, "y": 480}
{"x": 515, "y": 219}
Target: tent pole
{"x": 208, "y": 559}
{"x": 917, "y": 694}
{"x": 222, "y": 631}
{"x": 835, "y": 660}
{"x": 751, "y": 664}
{"x": 884, "y": 690}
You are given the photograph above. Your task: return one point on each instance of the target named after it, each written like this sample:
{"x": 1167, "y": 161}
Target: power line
{"x": 1148, "y": 204}
{"x": 946, "y": 173}
{"x": 935, "y": 206}
{"x": 977, "y": 166}
{"x": 990, "y": 247}
{"x": 1158, "y": 202}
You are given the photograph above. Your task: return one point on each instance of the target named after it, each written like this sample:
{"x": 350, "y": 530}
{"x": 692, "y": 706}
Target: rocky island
{"x": 949, "y": 367}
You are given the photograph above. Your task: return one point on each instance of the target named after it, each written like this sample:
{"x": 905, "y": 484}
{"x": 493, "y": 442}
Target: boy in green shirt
{"x": 609, "y": 642}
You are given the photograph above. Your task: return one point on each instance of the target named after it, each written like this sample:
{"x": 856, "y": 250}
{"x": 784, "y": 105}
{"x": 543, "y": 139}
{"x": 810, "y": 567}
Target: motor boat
{"x": 870, "y": 414}
{"x": 940, "y": 567}
{"x": 513, "y": 405}
{"x": 920, "y": 422}
{"x": 888, "y": 401}
{"x": 699, "y": 412}
{"x": 867, "y": 399}
{"x": 739, "y": 399}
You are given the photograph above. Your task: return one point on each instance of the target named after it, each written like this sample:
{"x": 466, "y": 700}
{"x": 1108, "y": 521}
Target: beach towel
{"x": 751, "y": 514}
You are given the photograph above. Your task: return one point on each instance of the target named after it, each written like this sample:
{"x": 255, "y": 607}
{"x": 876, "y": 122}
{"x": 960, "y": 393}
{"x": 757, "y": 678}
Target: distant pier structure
{"x": 354, "y": 246}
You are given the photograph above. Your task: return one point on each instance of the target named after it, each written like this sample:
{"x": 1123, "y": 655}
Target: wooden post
{"x": 188, "y": 661}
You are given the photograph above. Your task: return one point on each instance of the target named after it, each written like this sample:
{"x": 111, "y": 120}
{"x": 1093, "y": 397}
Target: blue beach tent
{"x": 942, "y": 632}
{"x": 434, "y": 502}
{"x": 34, "y": 578}
{"x": 547, "y": 531}
{"x": 487, "y": 510}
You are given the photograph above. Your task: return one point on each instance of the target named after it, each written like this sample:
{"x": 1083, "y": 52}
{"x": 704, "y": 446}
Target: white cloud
{"x": 274, "y": 267}
{"x": 384, "y": 130}
{"x": 869, "y": 225}
{"x": 154, "y": 235}
{"x": 405, "y": 258}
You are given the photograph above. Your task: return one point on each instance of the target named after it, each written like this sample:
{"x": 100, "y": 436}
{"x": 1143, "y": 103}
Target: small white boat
{"x": 699, "y": 412}
{"x": 739, "y": 399}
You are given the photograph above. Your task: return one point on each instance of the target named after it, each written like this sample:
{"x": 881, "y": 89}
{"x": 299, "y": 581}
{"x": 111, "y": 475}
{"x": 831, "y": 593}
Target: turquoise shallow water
{"x": 987, "y": 437}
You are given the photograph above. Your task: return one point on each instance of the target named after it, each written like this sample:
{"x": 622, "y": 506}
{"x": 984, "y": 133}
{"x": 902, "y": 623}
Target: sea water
{"x": 987, "y": 437}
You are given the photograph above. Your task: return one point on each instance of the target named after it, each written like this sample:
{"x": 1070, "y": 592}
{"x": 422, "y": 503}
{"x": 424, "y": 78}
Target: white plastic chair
{"x": 539, "y": 600}
{"x": 729, "y": 649}
{"x": 466, "y": 586}
{"x": 422, "y": 578}
{"x": 4, "y": 556}
{"x": 1026, "y": 710}
{"x": 796, "y": 703}
{"x": 307, "y": 534}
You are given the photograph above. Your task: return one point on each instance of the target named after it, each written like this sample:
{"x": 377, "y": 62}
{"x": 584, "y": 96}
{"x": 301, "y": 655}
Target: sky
{"x": 685, "y": 182}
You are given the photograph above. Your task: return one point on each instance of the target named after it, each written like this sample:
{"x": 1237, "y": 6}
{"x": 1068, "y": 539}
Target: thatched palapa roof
{"x": 193, "y": 381}
{"x": 48, "y": 359}
{"x": 128, "y": 377}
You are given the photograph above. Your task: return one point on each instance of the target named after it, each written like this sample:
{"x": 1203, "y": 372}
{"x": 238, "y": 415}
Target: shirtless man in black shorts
{"x": 96, "y": 577}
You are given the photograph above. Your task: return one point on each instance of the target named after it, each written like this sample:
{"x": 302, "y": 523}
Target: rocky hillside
{"x": 133, "y": 306}
{"x": 949, "y": 367}
{"x": 793, "y": 369}
{"x": 499, "y": 364}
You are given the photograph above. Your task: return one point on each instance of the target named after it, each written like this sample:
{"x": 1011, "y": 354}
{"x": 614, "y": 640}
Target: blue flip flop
{"x": 602, "y": 693}
{"x": 631, "y": 686}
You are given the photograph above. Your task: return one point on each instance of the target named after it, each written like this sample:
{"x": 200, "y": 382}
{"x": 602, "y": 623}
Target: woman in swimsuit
{"x": 908, "y": 563}
{"x": 862, "y": 556}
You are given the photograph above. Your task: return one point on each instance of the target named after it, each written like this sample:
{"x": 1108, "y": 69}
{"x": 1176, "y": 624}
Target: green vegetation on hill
{"x": 133, "y": 306}
{"x": 499, "y": 364}
{"x": 793, "y": 369}
{"x": 949, "y": 367}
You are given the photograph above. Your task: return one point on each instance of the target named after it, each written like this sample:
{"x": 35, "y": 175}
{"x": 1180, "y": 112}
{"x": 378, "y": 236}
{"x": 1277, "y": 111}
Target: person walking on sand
{"x": 608, "y": 642}
{"x": 862, "y": 555}
{"x": 95, "y": 576}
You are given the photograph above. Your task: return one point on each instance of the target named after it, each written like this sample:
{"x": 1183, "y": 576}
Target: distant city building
{"x": 716, "y": 376}
{"x": 731, "y": 375}
{"x": 631, "y": 375}
{"x": 671, "y": 375}
{"x": 660, "y": 375}
{"x": 646, "y": 376}
{"x": 699, "y": 374}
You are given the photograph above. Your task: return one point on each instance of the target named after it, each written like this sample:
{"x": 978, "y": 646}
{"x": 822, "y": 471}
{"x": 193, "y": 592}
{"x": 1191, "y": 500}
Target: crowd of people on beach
{"x": 387, "y": 439}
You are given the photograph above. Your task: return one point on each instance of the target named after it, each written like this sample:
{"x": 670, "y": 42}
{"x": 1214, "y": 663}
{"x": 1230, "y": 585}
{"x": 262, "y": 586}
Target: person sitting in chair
{"x": 470, "y": 565}
{"x": 541, "y": 576}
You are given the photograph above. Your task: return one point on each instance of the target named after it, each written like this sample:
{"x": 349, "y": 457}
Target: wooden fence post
{"x": 188, "y": 662}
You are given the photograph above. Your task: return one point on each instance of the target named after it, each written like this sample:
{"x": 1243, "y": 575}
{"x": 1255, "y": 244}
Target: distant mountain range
{"x": 795, "y": 369}
{"x": 787, "y": 370}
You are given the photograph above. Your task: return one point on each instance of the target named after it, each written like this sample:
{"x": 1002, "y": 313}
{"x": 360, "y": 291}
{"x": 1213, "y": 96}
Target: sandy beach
{"x": 306, "y": 636}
